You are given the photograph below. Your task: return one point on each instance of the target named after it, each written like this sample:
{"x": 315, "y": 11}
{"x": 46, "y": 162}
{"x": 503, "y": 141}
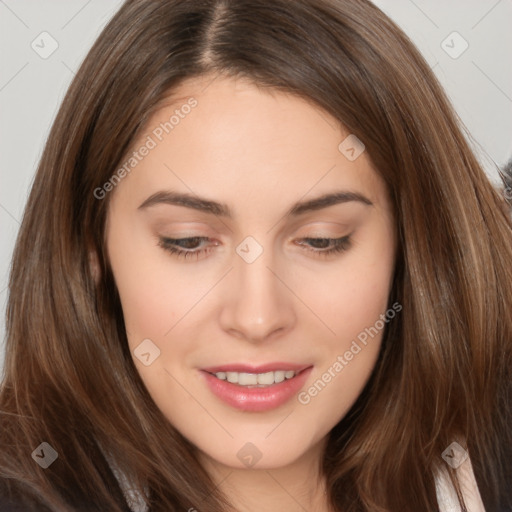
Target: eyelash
{"x": 340, "y": 245}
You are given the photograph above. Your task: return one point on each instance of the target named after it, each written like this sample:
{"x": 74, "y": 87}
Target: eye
{"x": 194, "y": 247}
{"x": 190, "y": 247}
{"x": 326, "y": 246}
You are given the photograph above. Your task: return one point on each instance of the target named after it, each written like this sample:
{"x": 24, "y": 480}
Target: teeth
{"x": 231, "y": 376}
{"x": 265, "y": 378}
{"x": 247, "y": 379}
{"x": 256, "y": 379}
{"x": 279, "y": 376}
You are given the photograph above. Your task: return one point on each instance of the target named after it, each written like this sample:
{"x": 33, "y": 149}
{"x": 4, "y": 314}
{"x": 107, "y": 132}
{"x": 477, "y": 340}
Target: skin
{"x": 259, "y": 152}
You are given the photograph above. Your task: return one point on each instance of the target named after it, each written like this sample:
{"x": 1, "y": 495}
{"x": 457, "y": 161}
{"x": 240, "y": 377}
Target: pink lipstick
{"x": 256, "y": 388}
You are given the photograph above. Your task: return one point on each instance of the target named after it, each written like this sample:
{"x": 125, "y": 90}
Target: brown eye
{"x": 187, "y": 243}
{"x": 326, "y": 246}
{"x": 319, "y": 243}
{"x": 186, "y": 247}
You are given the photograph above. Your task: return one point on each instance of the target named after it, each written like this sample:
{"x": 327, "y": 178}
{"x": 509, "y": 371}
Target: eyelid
{"x": 337, "y": 245}
{"x": 167, "y": 244}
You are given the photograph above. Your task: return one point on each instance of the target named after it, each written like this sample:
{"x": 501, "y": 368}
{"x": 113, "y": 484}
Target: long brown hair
{"x": 444, "y": 371}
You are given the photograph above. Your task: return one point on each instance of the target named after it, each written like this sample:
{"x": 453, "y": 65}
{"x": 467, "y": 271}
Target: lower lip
{"x": 256, "y": 399}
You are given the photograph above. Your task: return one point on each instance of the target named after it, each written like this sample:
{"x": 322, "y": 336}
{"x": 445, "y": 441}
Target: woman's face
{"x": 254, "y": 256}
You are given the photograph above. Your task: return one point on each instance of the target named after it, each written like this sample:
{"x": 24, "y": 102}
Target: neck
{"x": 295, "y": 487}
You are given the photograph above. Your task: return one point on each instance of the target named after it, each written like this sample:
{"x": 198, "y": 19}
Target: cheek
{"x": 337, "y": 385}
{"x": 154, "y": 294}
{"x": 348, "y": 360}
{"x": 363, "y": 300}
{"x": 358, "y": 312}
{"x": 360, "y": 295}
{"x": 146, "y": 301}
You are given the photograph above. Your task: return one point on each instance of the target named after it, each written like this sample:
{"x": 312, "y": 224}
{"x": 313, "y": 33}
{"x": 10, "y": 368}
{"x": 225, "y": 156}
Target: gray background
{"x": 478, "y": 81}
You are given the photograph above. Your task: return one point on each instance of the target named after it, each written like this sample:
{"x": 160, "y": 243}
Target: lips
{"x": 256, "y": 398}
{"x": 264, "y": 368}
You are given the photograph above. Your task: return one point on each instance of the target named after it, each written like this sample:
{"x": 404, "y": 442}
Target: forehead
{"x": 219, "y": 135}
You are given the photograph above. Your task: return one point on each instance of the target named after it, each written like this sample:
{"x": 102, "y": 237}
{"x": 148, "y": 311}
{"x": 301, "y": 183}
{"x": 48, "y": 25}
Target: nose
{"x": 256, "y": 305}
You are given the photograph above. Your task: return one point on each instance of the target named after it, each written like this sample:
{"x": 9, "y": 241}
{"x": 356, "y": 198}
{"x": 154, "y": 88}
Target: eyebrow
{"x": 223, "y": 210}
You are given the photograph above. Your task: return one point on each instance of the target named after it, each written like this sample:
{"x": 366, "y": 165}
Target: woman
{"x": 259, "y": 269}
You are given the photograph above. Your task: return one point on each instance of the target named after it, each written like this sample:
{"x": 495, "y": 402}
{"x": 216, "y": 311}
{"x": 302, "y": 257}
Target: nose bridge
{"x": 257, "y": 304}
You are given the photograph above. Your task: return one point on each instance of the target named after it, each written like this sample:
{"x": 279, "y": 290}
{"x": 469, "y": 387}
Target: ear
{"x": 94, "y": 266}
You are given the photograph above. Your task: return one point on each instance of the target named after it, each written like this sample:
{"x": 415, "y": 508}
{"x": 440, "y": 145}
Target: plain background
{"x": 478, "y": 81}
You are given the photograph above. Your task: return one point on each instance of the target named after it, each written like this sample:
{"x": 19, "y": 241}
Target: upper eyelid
{"x": 316, "y": 233}
{"x": 214, "y": 230}
{"x": 337, "y": 245}
{"x": 320, "y": 226}
{"x": 206, "y": 239}
{"x": 313, "y": 236}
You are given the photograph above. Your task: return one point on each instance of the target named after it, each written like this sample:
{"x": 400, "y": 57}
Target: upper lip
{"x": 264, "y": 368}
